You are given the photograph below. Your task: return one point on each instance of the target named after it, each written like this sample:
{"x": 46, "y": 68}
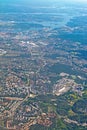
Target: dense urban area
{"x": 43, "y": 68}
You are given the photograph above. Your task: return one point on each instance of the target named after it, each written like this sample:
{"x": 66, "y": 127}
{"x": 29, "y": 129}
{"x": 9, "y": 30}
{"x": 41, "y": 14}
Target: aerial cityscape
{"x": 43, "y": 65}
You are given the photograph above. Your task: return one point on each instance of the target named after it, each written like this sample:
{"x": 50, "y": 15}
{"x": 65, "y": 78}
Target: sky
{"x": 46, "y": 0}
{"x": 42, "y": 2}
{"x": 81, "y": 0}
{"x": 73, "y": 1}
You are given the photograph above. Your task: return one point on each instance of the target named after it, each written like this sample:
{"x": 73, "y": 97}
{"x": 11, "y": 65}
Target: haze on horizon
{"x": 44, "y": 1}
